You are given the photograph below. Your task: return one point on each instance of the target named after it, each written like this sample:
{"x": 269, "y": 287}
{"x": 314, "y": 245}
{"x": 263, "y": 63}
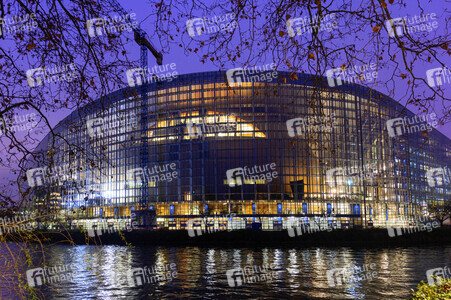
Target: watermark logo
{"x": 116, "y": 24}
{"x": 395, "y": 27}
{"x": 301, "y": 25}
{"x": 436, "y": 275}
{"x": 311, "y": 124}
{"x": 197, "y": 222}
{"x": 40, "y": 76}
{"x": 401, "y": 26}
{"x": 238, "y": 76}
{"x": 438, "y": 76}
{"x": 256, "y": 174}
{"x": 119, "y": 226}
{"x": 112, "y": 125}
{"x": 155, "y": 274}
{"x": 15, "y": 24}
{"x": 205, "y": 25}
{"x": 422, "y": 224}
{"x": 16, "y": 224}
{"x": 352, "y": 274}
{"x": 250, "y": 274}
{"x": 350, "y": 176}
{"x": 56, "y": 175}
{"x": 139, "y": 76}
{"x": 438, "y": 176}
{"x": 400, "y": 126}
{"x": 353, "y": 74}
{"x": 36, "y": 177}
{"x": 214, "y": 125}
{"x": 156, "y": 173}
{"x": 18, "y": 123}
{"x": 322, "y": 222}
{"x": 46, "y": 275}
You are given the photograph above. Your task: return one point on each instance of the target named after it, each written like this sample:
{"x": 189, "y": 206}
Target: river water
{"x": 100, "y": 272}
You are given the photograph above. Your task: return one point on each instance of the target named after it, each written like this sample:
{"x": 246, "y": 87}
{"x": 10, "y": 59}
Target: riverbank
{"x": 249, "y": 238}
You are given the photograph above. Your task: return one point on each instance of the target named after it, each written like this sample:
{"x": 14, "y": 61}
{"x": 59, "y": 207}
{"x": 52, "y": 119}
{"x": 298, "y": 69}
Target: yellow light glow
{"x": 242, "y": 128}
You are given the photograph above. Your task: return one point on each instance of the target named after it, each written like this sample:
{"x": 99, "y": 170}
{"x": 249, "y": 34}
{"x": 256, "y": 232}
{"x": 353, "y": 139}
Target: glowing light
{"x": 242, "y": 128}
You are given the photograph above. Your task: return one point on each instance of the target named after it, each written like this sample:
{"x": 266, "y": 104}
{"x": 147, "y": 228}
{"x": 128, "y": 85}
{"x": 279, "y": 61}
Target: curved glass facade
{"x": 265, "y": 150}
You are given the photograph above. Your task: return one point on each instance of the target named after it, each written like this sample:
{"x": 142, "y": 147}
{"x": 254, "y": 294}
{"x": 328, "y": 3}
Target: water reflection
{"x": 101, "y": 272}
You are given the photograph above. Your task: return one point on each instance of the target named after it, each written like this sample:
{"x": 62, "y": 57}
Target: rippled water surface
{"x": 100, "y": 272}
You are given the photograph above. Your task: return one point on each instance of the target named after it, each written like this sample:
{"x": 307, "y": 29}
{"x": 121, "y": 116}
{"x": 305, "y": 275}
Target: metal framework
{"x": 140, "y": 37}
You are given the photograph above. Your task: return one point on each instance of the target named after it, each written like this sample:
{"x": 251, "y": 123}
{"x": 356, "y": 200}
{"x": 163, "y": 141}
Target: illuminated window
{"x": 210, "y": 125}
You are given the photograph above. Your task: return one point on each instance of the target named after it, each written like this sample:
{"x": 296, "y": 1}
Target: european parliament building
{"x": 287, "y": 149}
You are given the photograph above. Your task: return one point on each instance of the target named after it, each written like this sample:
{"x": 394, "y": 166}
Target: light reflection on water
{"x": 100, "y": 272}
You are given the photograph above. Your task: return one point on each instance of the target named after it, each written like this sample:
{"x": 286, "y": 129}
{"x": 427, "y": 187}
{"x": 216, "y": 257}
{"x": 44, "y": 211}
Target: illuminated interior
{"x": 242, "y": 129}
{"x": 258, "y": 115}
